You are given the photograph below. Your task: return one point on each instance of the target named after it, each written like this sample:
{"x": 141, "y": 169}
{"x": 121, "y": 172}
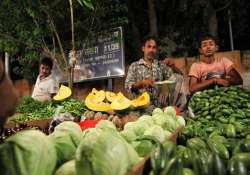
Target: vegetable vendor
{"x": 46, "y": 85}
{"x": 8, "y": 96}
{"x": 143, "y": 73}
{"x": 212, "y": 70}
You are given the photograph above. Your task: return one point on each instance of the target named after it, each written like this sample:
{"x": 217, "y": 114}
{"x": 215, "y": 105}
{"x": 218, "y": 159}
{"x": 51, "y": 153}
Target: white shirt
{"x": 44, "y": 88}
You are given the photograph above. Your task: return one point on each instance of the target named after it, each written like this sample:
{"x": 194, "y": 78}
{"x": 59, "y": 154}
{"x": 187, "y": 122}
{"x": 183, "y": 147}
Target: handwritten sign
{"x": 102, "y": 59}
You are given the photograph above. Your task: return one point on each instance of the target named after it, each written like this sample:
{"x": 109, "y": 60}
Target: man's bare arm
{"x": 234, "y": 77}
{"x": 195, "y": 86}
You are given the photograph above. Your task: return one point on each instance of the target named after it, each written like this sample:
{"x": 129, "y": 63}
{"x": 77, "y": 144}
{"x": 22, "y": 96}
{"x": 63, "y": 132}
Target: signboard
{"x": 104, "y": 58}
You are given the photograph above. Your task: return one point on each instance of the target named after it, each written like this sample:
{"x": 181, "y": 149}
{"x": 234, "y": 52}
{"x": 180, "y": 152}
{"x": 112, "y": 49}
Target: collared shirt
{"x": 44, "y": 88}
{"x": 139, "y": 71}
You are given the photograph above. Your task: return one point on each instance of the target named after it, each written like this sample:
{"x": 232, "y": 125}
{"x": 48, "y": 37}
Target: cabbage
{"x": 170, "y": 110}
{"x": 128, "y": 135}
{"x": 157, "y": 132}
{"x": 28, "y": 153}
{"x": 168, "y": 134}
{"x": 147, "y": 119}
{"x": 67, "y": 168}
{"x": 157, "y": 111}
{"x": 104, "y": 152}
{"x": 143, "y": 147}
{"x": 71, "y": 128}
{"x": 105, "y": 124}
{"x": 66, "y": 138}
{"x": 137, "y": 127}
{"x": 181, "y": 121}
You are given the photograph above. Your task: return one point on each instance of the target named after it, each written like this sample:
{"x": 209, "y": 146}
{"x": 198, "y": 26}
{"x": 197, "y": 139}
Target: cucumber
{"x": 217, "y": 165}
{"x": 218, "y": 148}
{"x": 169, "y": 149}
{"x": 215, "y": 132}
{"x": 157, "y": 159}
{"x": 237, "y": 167}
{"x": 242, "y": 157}
{"x": 174, "y": 166}
{"x": 230, "y": 131}
{"x": 218, "y": 138}
{"x": 188, "y": 171}
{"x": 196, "y": 143}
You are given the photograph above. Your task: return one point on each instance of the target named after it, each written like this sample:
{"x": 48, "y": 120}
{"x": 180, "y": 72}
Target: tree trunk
{"x": 71, "y": 78}
{"x": 153, "y": 30}
{"x": 213, "y": 25}
{"x": 135, "y": 31}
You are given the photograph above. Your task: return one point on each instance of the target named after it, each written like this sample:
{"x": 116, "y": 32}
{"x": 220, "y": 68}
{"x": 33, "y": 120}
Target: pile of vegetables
{"x": 100, "y": 150}
{"x": 216, "y": 155}
{"x": 215, "y": 141}
{"x": 28, "y": 105}
{"x": 147, "y": 131}
{"x": 103, "y": 151}
{"x": 223, "y": 109}
{"x": 28, "y": 152}
{"x": 31, "y": 109}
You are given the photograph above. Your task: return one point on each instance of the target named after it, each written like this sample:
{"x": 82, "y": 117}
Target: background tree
{"x": 26, "y": 25}
{"x": 36, "y": 27}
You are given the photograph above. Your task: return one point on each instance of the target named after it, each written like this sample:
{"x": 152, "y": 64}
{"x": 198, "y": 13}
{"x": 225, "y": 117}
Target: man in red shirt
{"x": 212, "y": 70}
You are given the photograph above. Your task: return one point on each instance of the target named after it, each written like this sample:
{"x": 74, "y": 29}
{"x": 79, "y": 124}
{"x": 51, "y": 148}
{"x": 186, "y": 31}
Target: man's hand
{"x": 146, "y": 83}
{"x": 169, "y": 62}
{"x": 222, "y": 82}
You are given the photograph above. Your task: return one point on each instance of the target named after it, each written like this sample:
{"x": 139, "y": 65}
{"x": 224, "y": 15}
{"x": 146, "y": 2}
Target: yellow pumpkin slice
{"x": 93, "y": 103}
{"x": 99, "y": 95}
{"x": 120, "y": 102}
{"x": 142, "y": 101}
{"x": 63, "y": 93}
{"x": 110, "y": 96}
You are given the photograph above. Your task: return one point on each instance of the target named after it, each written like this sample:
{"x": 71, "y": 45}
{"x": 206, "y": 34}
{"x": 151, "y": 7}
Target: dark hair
{"x": 47, "y": 61}
{"x": 147, "y": 38}
{"x": 207, "y": 37}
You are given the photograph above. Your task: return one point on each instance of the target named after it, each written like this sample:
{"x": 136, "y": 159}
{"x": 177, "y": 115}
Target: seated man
{"x": 8, "y": 96}
{"x": 46, "y": 85}
{"x": 142, "y": 74}
{"x": 212, "y": 70}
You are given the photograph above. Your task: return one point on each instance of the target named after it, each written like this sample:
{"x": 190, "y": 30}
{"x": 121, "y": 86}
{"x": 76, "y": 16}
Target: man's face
{"x": 149, "y": 49}
{"x": 208, "y": 47}
{"x": 44, "y": 71}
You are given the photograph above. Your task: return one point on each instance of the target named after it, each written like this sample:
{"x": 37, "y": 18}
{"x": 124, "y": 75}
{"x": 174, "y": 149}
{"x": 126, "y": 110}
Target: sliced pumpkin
{"x": 63, "y": 93}
{"x": 110, "y": 96}
{"x": 142, "y": 101}
{"x": 99, "y": 95}
{"x": 93, "y": 103}
{"x": 120, "y": 102}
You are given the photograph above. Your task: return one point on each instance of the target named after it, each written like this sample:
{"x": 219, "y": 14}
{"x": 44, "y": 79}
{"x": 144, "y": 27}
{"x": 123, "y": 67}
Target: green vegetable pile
{"x": 223, "y": 109}
{"x": 216, "y": 141}
{"x": 213, "y": 156}
{"x": 28, "y": 152}
{"x": 31, "y": 109}
{"x": 28, "y": 105}
{"x": 73, "y": 106}
{"x": 147, "y": 131}
{"x": 37, "y": 114}
{"x": 101, "y": 150}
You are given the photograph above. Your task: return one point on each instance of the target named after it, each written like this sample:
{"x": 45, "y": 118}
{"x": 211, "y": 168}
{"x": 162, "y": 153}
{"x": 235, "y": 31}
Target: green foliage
{"x": 28, "y": 29}
{"x": 87, "y": 3}
{"x": 28, "y": 104}
{"x": 73, "y": 106}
